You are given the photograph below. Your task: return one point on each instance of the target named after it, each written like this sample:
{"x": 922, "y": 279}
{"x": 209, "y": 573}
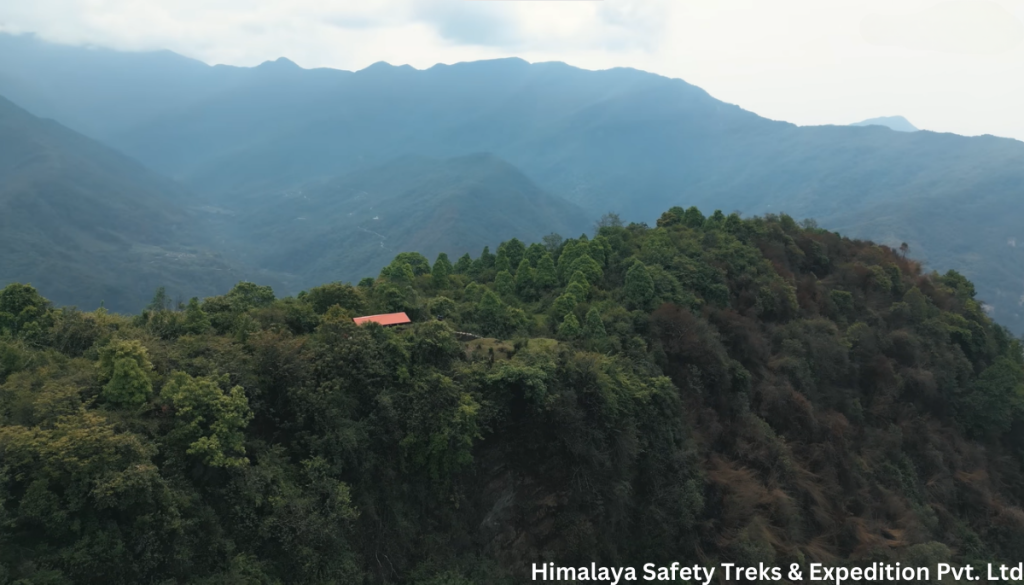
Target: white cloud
{"x": 948, "y": 65}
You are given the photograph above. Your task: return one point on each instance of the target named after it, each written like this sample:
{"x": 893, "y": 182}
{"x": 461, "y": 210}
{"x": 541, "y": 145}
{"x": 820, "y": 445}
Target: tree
{"x": 553, "y": 242}
{"x": 196, "y": 320}
{"x": 501, "y": 260}
{"x": 563, "y": 305}
{"x": 442, "y": 270}
{"x": 693, "y": 218}
{"x": 639, "y": 286}
{"x": 160, "y": 300}
{"x": 546, "y": 277}
{"x": 504, "y": 284}
{"x": 247, "y": 295}
{"x": 526, "y": 287}
{"x": 346, "y": 296}
{"x": 398, "y": 272}
{"x": 608, "y": 220}
{"x": 124, "y": 367}
{"x": 593, "y": 326}
{"x": 21, "y": 307}
{"x": 418, "y": 262}
{"x": 589, "y": 268}
{"x": 570, "y": 327}
{"x": 464, "y": 264}
{"x": 211, "y": 421}
{"x": 441, "y": 307}
{"x": 516, "y": 251}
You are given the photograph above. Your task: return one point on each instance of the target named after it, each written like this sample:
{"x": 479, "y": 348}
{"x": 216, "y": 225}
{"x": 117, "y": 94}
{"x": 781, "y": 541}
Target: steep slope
{"x": 708, "y": 391}
{"x": 93, "y": 226}
{"x": 349, "y": 227}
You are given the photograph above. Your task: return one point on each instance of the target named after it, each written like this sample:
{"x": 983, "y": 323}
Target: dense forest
{"x": 711, "y": 389}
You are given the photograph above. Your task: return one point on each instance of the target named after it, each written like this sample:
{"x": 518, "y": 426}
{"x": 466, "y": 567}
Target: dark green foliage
{"x": 758, "y": 392}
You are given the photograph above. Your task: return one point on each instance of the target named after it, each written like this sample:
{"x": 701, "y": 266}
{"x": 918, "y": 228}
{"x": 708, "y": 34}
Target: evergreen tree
{"x": 490, "y": 312}
{"x": 486, "y": 258}
{"x": 534, "y": 253}
{"x": 504, "y": 284}
{"x": 502, "y": 261}
{"x": 593, "y": 326}
{"x": 516, "y": 251}
{"x": 693, "y": 218}
{"x": 196, "y": 320}
{"x": 589, "y": 267}
{"x": 546, "y": 277}
{"x": 464, "y": 264}
{"x": 639, "y": 286}
{"x": 563, "y": 305}
{"x": 526, "y": 286}
{"x": 570, "y": 327}
{"x": 442, "y": 269}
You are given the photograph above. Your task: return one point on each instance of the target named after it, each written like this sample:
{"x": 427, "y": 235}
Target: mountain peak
{"x": 897, "y": 123}
{"x": 279, "y": 63}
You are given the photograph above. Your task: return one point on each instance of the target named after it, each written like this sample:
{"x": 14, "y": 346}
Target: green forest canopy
{"x": 713, "y": 389}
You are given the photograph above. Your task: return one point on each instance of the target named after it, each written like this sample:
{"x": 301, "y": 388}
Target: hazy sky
{"x": 947, "y": 65}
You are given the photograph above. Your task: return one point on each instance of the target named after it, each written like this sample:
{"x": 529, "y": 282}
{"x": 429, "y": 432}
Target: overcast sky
{"x": 947, "y": 65}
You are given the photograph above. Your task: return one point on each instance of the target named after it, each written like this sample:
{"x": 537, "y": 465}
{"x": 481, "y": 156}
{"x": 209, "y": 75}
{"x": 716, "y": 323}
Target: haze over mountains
{"x": 245, "y": 140}
{"x": 897, "y": 123}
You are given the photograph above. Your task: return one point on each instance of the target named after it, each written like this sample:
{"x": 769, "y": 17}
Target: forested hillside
{"x": 617, "y": 140}
{"x": 349, "y": 227}
{"x": 712, "y": 389}
{"x": 91, "y": 226}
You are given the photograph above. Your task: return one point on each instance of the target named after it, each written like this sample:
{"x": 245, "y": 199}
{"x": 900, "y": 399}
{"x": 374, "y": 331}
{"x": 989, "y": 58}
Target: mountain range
{"x": 243, "y": 141}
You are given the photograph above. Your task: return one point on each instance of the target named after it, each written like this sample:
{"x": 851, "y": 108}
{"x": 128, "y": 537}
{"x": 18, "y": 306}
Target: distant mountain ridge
{"x": 616, "y": 140}
{"x": 897, "y": 123}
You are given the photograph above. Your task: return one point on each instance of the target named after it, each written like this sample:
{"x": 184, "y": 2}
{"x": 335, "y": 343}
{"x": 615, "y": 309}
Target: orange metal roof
{"x": 389, "y": 319}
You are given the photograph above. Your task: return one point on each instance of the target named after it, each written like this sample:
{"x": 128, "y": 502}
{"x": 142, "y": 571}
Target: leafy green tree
{"x": 502, "y": 262}
{"x": 570, "y": 327}
{"x": 247, "y": 295}
{"x": 486, "y": 258}
{"x": 593, "y": 326}
{"x": 442, "y": 307}
{"x": 196, "y": 320}
{"x": 346, "y": 296}
{"x": 211, "y": 421}
{"x": 534, "y": 253}
{"x": 464, "y": 264}
{"x": 160, "y": 301}
{"x": 21, "y": 308}
{"x": 516, "y": 251}
{"x": 490, "y": 312}
{"x": 693, "y": 218}
{"x": 526, "y": 286}
{"x": 124, "y": 369}
{"x": 504, "y": 284}
{"x": 563, "y": 305}
{"x": 589, "y": 267}
{"x": 418, "y": 262}
{"x": 546, "y": 277}
{"x": 398, "y": 272}
{"x": 442, "y": 270}
{"x": 639, "y": 287}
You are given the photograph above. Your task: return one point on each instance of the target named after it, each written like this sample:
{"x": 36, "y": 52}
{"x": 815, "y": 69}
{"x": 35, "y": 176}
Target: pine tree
{"x": 526, "y": 288}
{"x": 196, "y": 320}
{"x": 464, "y": 264}
{"x": 546, "y": 277}
{"x": 501, "y": 261}
{"x": 593, "y": 326}
{"x": 639, "y": 287}
{"x": 504, "y": 284}
{"x": 441, "y": 270}
{"x": 563, "y": 305}
{"x": 570, "y": 327}
{"x": 516, "y": 251}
